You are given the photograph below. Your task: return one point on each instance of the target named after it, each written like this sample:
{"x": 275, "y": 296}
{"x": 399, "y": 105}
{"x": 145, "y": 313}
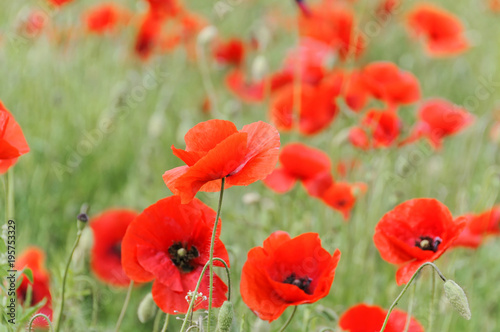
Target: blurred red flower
{"x": 33, "y": 258}
{"x": 59, "y": 3}
{"x": 286, "y": 272}
{"x": 303, "y": 163}
{"x": 148, "y": 37}
{"x": 231, "y": 52}
{"x": 216, "y": 149}
{"x": 341, "y": 196}
{"x": 443, "y": 32}
{"x": 417, "y": 231}
{"x": 388, "y": 83}
{"x": 366, "y": 318}
{"x": 105, "y": 17}
{"x": 439, "y": 118}
{"x": 478, "y": 227}
{"x": 109, "y": 228}
{"x": 33, "y": 24}
{"x": 163, "y": 9}
{"x": 248, "y": 92}
{"x": 333, "y": 23}
{"x": 168, "y": 243}
{"x": 315, "y": 105}
{"x": 12, "y": 141}
{"x": 355, "y": 91}
{"x": 379, "y": 128}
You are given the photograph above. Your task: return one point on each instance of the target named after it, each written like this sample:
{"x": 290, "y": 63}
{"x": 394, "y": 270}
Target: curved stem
{"x": 433, "y": 303}
{"x": 165, "y": 325}
{"x": 156, "y": 324}
{"x": 228, "y": 277}
{"x": 395, "y": 303}
{"x": 59, "y": 317}
{"x": 193, "y": 298}
{"x": 125, "y": 305}
{"x": 40, "y": 315}
{"x": 289, "y": 320}
{"x": 410, "y": 308}
{"x": 211, "y": 259}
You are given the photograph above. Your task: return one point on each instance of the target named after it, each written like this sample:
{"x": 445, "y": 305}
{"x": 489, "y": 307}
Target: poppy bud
{"x": 207, "y": 34}
{"x": 147, "y": 308}
{"x": 259, "y": 68}
{"x": 225, "y": 317}
{"x": 83, "y": 217}
{"x": 457, "y": 298}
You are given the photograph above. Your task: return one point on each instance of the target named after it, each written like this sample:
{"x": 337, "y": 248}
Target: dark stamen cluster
{"x": 181, "y": 256}
{"x": 428, "y": 243}
{"x": 302, "y": 283}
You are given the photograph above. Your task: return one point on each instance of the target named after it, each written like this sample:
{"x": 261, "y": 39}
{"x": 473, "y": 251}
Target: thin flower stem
{"x": 125, "y": 305}
{"x": 95, "y": 302}
{"x": 165, "y": 325}
{"x": 396, "y": 301}
{"x": 191, "y": 303}
{"x": 410, "y": 307}
{"x": 40, "y": 315}
{"x": 156, "y": 324}
{"x": 289, "y": 320}
{"x": 433, "y": 303}
{"x": 59, "y": 317}
{"x": 10, "y": 194}
{"x": 211, "y": 259}
{"x": 228, "y": 277}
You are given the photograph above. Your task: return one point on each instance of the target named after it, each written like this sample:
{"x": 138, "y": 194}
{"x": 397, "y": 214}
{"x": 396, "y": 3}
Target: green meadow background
{"x": 100, "y": 124}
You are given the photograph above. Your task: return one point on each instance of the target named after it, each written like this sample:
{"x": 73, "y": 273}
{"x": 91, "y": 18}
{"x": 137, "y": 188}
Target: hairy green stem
{"x": 410, "y": 307}
{"x": 211, "y": 259}
{"x": 226, "y": 267}
{"x": 396, "y": 301}
{"x": 156, "y": 324}
{"x": 165, "y": 325}
{"x": 433, "y": 302}
{"x": 125, "y": 305}
{"x": 288, "y": 320}
{"x": 65, "y": 276}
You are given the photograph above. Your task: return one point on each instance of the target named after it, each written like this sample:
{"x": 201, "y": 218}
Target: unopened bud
{"x": 207, "y": 34}
{"x": 457, "y": 298}
{"x": 259, "y": 68}
{"x": 225, "y": 319}
{"x": 83, "y": 217}
{"x": 147, "y": 308}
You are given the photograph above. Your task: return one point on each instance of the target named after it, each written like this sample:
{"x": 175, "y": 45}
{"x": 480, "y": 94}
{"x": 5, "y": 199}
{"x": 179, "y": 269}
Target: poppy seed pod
{"x": 457, "y": 298}
{"x": 225, "y": 318}
{"x": 147, "y": 308}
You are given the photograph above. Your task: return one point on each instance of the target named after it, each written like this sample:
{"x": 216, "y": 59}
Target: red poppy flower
{"x": 163, "y": 9}
{"x": 478, "y": 227}
{"x": 355, "y": 92}
{"x": 443, "y": 32}
{"x": 416, "y": 231}
{"x": 303, "y": 163}
{"x": 216, "y": 149}
{"x": 148, "y": 37}
{"x": 231, "y": 52}
{"x": 33, "y": 258}
{"x": 366, "y": 318}
{"x": 387, "y": 82}
{"x": 378, "y": 129}
{"x": 105, "y": 17}
{"x": 12, "y": 141}
{"x": 439, "y": 118}
{"x": 33, "y": 24}
{"x": 316, "y": 107}
{"x": 332, "y": 23}
{"x": 169, "y": 244}
{"x": 341, "y": 196}
{"x": 286, "y": 272}
{"x": 249, "y": 92}
{"x": 59, "y": 3}
{"x": 109, "y": 228}
{"x": 494, "y": 5}
{"x": 388, "y": 7}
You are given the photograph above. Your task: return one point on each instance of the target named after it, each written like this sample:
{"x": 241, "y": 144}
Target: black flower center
{"x": 303, "y": 283}
{"x": 116, "y": 249}
{"x": 428, "y": 243}
{"x": 182, "y": 256}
